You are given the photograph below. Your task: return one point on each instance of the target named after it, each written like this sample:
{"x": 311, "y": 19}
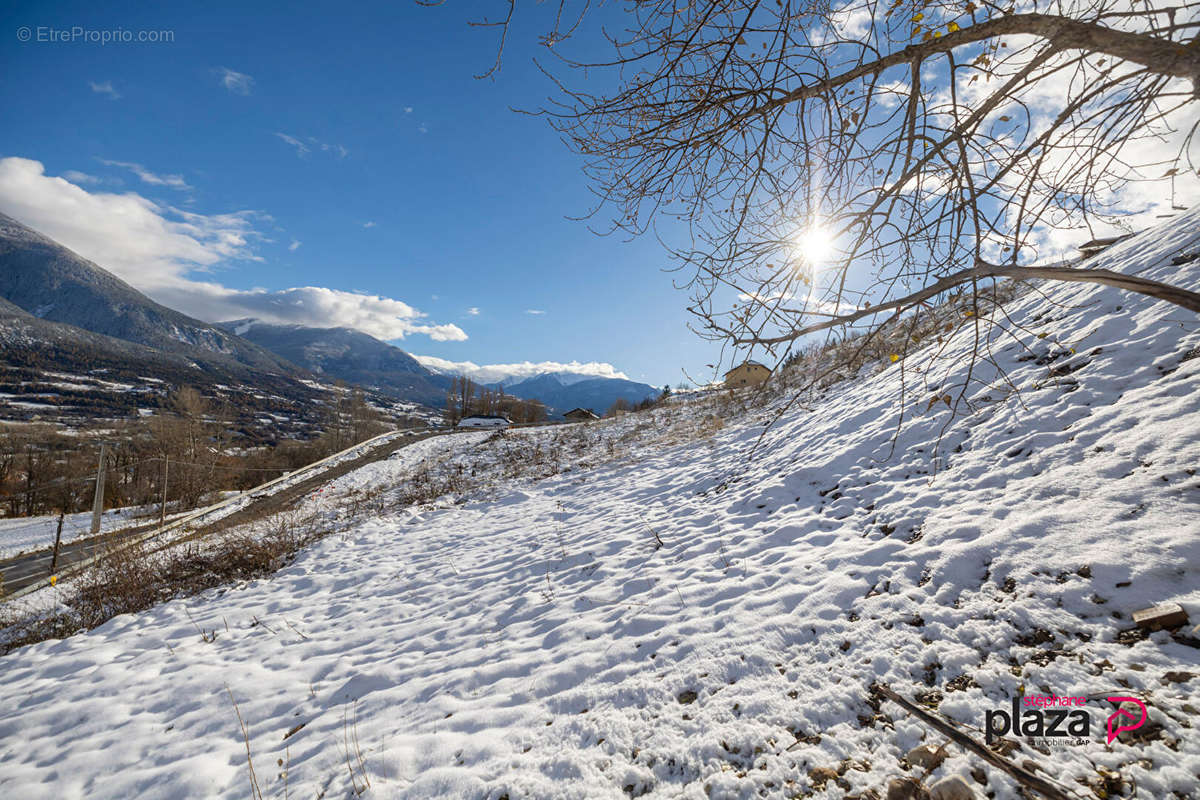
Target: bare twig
{"x": 255, "y": 792}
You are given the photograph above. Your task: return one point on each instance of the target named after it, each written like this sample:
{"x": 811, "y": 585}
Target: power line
{"x": 48, "y": 485}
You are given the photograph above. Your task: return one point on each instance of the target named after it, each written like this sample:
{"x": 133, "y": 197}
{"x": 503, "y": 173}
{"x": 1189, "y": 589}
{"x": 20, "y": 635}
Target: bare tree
{"x": 620, "y": 406}
{"x": 460, "y": 400}
{"x": 813, "y": 164}
{"x": 365, "y": 420}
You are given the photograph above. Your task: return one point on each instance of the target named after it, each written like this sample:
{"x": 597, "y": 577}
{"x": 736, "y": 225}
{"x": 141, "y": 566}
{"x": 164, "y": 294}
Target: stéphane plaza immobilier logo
{"x": 1059, "y": 720}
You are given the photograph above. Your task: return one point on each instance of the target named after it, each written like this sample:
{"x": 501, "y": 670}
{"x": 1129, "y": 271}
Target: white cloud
{"x": 301, "y": 147}
{"x": 473, "y": 311}
{"x": 141, "y": 241}
{"x": 422, "y": 129}
{"x": 492, "y": 373}
{"x": 156, "y": 248}
{"x": 371, "y": 224}
{"x": 314, "y": 306}
{"x": 853, "y": 21}
{"x": 306, "y": 145}
{"x": 1114, "y": 206}
{"x": 105, "y": 88}
{"x": 295, "y": 245}
{"x": 152, "y": 178}
{"x": 75, "y": 176}
{"x": 408, "y": 109}
{"x": 236, "y": 82}
{"x": 537, "y": 312}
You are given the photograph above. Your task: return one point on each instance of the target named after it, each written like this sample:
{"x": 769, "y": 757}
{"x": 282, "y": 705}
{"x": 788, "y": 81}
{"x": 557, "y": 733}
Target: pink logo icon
{"x": 1114, "y": 726}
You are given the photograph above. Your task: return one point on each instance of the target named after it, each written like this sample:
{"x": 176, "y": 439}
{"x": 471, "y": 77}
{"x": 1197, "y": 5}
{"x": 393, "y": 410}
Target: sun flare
{"x": 815, "y": 245}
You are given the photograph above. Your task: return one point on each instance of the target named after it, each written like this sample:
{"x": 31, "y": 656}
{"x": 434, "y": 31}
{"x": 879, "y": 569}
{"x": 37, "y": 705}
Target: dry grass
{"x": 255, "y": 791}
{"x": 132, "y": 577}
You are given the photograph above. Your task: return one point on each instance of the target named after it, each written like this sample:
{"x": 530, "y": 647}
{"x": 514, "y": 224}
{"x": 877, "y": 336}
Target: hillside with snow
{"x": 694, "y": 602}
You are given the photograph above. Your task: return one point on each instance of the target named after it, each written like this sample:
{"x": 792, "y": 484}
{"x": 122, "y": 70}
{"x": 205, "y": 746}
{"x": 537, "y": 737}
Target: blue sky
{"x": 346, "y": 147}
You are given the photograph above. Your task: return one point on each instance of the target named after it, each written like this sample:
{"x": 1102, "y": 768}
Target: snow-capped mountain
{"x": 360, "y": 359}
{"x": 61, "y": 311}
{"x": 598, "y": 394}
{"x": 560, "y": 386}
{"x": 78, "y": 344}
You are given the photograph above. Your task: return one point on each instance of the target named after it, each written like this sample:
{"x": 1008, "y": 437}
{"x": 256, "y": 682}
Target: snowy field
{"x": 688, "y": 616}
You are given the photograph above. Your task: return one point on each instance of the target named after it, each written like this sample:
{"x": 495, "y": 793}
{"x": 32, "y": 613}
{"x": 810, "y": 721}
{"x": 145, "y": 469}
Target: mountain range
{"x": 62, "y": 312}
{"x": 55, "y": 284}
{"x": 357, "y": 358}
{"x": 597, "y": 394}
{"x": 77, "y": 344}
{"x": 347, "y": 355}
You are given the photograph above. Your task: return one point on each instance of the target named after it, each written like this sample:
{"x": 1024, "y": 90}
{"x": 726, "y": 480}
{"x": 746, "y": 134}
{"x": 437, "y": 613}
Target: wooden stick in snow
{"x": 1017, "y": 772}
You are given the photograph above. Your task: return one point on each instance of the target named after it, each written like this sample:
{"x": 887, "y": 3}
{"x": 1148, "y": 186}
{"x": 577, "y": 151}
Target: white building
{"x": 484, "y": 421}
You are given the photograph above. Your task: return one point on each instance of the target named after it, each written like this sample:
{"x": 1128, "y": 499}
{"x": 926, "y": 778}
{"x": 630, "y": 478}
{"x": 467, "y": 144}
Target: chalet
{"x": 1097, "y": 246}
{"x": 484, "y": 421}
{"x": 748, "y": 373}
{"x": 580, "y": 415}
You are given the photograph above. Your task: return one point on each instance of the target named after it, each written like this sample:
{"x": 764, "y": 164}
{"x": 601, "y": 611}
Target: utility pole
{"x": 162, "y": 511}
{"x": 98, "y": 502}
{"x": 62, "y": 513}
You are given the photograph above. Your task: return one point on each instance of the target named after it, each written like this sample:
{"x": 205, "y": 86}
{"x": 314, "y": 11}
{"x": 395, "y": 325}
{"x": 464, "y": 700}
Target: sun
{"x": 815, "y": 245}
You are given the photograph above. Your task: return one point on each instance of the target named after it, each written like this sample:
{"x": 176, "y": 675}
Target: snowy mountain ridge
{"x": 564, "y": 373}
{"x": 346, "y": 354}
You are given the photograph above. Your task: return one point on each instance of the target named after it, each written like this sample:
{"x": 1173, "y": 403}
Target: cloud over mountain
{"x": 311, "y": 306}
{"x": 157, "y": 248}
{"x": 492, "y": 373}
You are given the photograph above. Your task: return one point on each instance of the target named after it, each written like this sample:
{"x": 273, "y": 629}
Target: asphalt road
{"x": 32, "y": 567}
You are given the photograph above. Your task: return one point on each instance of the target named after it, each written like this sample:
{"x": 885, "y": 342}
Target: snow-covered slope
{"x": 684, "y": 619}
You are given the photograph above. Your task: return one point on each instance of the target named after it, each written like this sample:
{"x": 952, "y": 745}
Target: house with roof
{"x": 580, "y": 415}
{"x": 748, "y": 373}
{"x": 1097, "y": 246}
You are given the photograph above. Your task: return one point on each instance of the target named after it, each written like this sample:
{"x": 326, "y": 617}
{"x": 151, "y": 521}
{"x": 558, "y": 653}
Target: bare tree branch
{"x": 1130, "y": 283}
{"x": 927, "y": 146}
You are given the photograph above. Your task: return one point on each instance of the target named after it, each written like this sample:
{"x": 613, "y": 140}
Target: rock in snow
{"x": 906, "y": 789}
{"x": 1167, "y": 615}
{"x": 926, "y": 756}
{"x": 951, "y": 788}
